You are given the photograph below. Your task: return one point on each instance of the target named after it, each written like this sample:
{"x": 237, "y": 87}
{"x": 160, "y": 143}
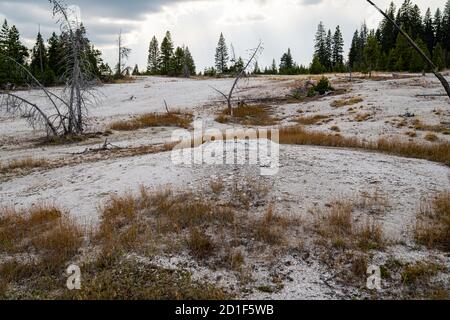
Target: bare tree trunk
{"x": 416, "y": 47}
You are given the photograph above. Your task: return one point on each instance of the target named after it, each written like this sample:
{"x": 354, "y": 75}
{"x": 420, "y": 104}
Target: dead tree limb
{"x": 416, "y": 47}
{"x": 239, "y": 76}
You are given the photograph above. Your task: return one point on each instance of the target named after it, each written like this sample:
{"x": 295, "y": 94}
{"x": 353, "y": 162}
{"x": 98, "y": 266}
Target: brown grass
{"x": 270, "y": 228}
{"x": 28, "y": 163}
{"x": 45, "y": 231}
{"x": 335, "y": 129}
{"x": 438, "y": 152}
{"x": 420, "y": 272}
{"x": 173, "y": 119}
{"x": 338, "y": 226}
{"x": 361, "y": 117}
{"x": 311, "y": 120}
{"x": 200, "y": 244}
{"x": 249, "y": 115}
{"x": 346, "y": 102}
{"x": 432, "y": 227}
{"x": 438, "y": 128}
{"x": 431, "y": 137}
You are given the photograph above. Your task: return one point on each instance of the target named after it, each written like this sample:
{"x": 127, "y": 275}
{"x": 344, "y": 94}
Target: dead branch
{"x": 254, "y": 53}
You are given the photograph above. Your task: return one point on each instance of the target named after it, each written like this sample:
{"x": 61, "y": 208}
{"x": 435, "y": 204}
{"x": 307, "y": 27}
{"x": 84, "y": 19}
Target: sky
{"x": 279, "y": 24}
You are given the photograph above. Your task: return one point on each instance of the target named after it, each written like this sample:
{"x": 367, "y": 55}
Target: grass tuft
{"x": 173, "y": 119}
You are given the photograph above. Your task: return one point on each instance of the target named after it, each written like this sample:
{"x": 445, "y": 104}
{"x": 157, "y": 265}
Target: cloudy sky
{"x": 197, "y": 23}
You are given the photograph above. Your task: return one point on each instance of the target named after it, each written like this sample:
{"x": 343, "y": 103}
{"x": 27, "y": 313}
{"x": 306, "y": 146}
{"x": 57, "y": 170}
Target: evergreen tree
{"x": 286, "y": 63}
{"x": 439, "y": 57}
{"x": 39, "y": 57}
{"x": 338, "y": 51}
{"x": 136, "y": 70}
{"x": 417, "y": 63}
{"x": 387, "y": 30}
{"x": 177, "y": 64}
{"x": 316, "y": 66}
{"x": 15, "y": 49}
{"x": 321, "y": 45}
{"x": 428, "y": 31}
{"x": 4, "y": 33}
{"x": 372, "y": 53}
{"x": 189, "y": 65}
{"x": 221, "y": 57}
{"x": 274, "y": 69}
{"x": 55, "y": 55}
{"x": 166, "y": 54}
{"x": 401, "y": 55}
{"x": 438, "y": 26}
{"x": 256, "y": 69}
{"x": 353, "y": 53}
{"x": 153, "y": 57}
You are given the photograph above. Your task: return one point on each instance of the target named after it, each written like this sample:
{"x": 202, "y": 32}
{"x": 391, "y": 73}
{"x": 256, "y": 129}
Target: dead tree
{"x": 123, "y": 55}
{"x": 71, "y": 106}
{"x": 241, "y": 73}
{"x": 416, "y": 47}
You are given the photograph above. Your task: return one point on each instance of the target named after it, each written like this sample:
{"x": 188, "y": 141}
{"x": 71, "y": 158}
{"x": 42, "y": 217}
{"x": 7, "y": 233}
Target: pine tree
{"x": 189, "y": 68}
{"x": 428, "y": 31}
{"x": 55, "y": 53}
{"x": 338, "y": 50}
{"x": 274, "y": 69}
{"x": 154, "y": 56}
{"x": 15, "y": 49}
{"x": 321, "y": 45}
{"x": 39, "y": 57}
{"x": 372, "y": 53}
{"x": 439, "y": 57}
{"x": 416, "y": 62}
{"x": 136, "y": 70}
{"x": 286, "y": 63}
{"x": 438, "y": 26}
{"x": 388, "y": 32}
{"x": 256, "y": 69}
{"x": 353, "y": 53}
{"x": 177, "y": 64}
{"x": 316, "y": 66}
{"x": 4, "y": 33}
{"x": 221, "y": 57}
{"x": 166, "y": 54}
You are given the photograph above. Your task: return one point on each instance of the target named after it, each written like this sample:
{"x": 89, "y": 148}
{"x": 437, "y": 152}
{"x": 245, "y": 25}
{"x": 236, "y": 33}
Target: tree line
{"x": 166, "y": 61}
{"x": 44, "y": 60}
{"x": 382, "y": 49}
{"x": 385, "y": 49}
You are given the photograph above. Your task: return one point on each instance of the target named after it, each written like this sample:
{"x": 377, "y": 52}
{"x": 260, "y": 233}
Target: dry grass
{"x": 44, "y": 234}
{"x": 335, "y": 129}
{"x": 311, "y": 120}
{"x": 249, "y": 115}
{"x": 338, "y": 226}
{"x": 431, "y": 137}
{"x": 411, "y": 134}
{"x": 28, "y": 163}
{"x": 173, "y": 119}
{"x": 438, "y": 152}
{"x": 217, "y": 186}
{"x": 420, "y": 272}
{"x": 362, "y": 117}
{"x": 270, "y": 228}
{"x": 432, "y": 227}
{"x": 346, "y": 102}
{"x": 200, "y": 244}
{"x": 443, "y": 128}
